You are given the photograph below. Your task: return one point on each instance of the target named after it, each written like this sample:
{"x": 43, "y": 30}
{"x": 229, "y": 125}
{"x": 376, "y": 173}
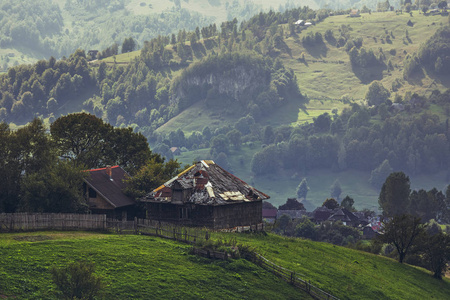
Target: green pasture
{"x": 132, "y": 267}
{"x": 347, "y": 273}
{"x": 333, "y": 80}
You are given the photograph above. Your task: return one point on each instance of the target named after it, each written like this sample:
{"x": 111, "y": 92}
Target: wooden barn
{"x": 104, "y": 193}
{"x": 205, "y": 195}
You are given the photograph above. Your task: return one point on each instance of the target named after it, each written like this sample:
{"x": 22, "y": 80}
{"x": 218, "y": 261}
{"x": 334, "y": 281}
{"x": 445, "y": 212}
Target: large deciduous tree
{"x": 151, "y": 175}
{"x": 394, "y": 195}
{"x": 402, "y": 231}
{"x": 347, "y": 203}
{"x": 87, "y": 140}
{"x": 435, "y": 250}
{"x": 330, "y": 203}
{"x": 81, "y": 137}
{"x": 377, "y": 94}
{"x": 57, "y": 189}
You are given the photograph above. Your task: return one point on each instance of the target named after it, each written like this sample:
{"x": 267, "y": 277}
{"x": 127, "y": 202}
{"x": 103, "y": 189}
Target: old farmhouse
{"x": 104, "y": 193}
{"x": 206, "y": 195}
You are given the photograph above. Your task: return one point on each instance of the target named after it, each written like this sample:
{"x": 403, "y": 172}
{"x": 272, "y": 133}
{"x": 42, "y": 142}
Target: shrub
{"x": 77, "y": 280}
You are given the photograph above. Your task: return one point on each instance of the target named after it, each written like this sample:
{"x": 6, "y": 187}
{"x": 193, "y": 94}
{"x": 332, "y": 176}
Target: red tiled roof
{"x": 109, "y": 189}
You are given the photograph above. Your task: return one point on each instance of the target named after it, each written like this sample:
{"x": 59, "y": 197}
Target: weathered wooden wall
{"x": 214, "y": 217}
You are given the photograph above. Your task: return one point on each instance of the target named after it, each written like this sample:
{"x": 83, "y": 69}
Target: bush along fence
{"x": 190, "y": 235}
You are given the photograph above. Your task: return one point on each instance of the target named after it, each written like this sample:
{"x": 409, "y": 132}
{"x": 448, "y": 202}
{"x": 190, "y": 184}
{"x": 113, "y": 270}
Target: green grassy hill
{"x": 326, "y": 82}
{"x": 141, "y": 267}
{"x": 347, "y": 273}
{"x": 331, "y": 80}
{"x": 133, "y": 267}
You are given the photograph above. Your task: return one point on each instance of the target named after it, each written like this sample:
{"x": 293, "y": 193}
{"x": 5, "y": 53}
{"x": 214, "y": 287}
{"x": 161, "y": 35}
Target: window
{"x": 92, "y": 193}
{"x": 185, "y": 213}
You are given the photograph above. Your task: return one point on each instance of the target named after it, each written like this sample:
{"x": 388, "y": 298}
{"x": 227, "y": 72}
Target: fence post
{"x": 135, "y": 225}
{"x": 174, "y": 236}
{"x": 206, "y": 236}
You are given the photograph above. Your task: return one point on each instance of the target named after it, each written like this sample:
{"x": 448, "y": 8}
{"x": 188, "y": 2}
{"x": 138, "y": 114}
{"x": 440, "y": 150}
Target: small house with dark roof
{"x": 269, "y": 214}
{"x": 321, "y": 214}
{"x": 205, "y": 195}
{"x": 104, "y": 193}
{"x": 345, "y": 216}
{"x": 294, "y": 214}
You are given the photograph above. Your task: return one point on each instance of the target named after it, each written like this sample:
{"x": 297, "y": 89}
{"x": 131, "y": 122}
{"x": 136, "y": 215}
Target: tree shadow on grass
{"x": 284, "y": 47}
{"x": 317, "y": 50}
{"x": 439, "y": 79}
{"x": 368, "y": 74}
{"x": 416, "y": 77}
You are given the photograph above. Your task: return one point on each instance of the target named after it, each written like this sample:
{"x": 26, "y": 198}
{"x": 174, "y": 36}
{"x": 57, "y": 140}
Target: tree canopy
{"x": 402, "y": 231}
{"x": 394, "y": 196}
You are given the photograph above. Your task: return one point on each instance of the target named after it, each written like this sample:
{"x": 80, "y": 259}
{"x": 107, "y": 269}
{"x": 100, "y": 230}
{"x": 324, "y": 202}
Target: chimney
{"x": 109, "y": 172}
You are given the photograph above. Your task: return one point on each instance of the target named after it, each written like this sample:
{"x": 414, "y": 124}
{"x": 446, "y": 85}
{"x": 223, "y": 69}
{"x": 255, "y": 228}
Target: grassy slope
{"x": 141, "y": 267}
{"x": 330, "y": 80}
{"x": 325, "y": 83}
{"x": 347, "y": 273}
{"x": 133, "y": 267}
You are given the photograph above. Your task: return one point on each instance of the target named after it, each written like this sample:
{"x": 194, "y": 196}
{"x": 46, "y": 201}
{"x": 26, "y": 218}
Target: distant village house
{"x": 355, "y": 13}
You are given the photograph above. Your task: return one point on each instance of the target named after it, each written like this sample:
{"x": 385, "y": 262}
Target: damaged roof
{"x": 206, "y": 183}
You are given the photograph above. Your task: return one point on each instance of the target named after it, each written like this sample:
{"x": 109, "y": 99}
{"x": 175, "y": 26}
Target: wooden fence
{"x": 289, "y": 276}
{"x": 39, "y": 221}
{"x": 188, "y": 235}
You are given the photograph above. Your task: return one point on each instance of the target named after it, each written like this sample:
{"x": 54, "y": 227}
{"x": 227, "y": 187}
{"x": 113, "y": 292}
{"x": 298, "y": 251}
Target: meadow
{"x": 347, "y": 273}
{"x": 132, "y": 267}
{"x": 142, "y": 267}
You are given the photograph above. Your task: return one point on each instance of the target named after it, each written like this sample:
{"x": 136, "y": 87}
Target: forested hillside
{"x": 33, "y": 30}
{"x": 266, "y": 96}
